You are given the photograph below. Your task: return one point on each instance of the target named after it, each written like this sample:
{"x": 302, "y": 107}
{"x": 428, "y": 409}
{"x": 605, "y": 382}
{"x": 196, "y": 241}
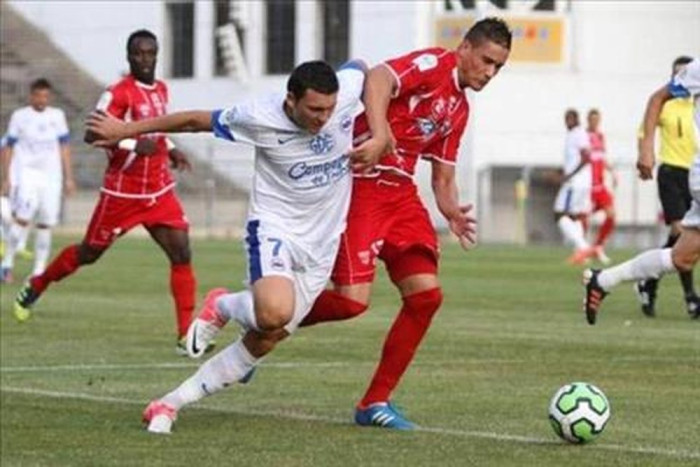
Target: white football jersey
{"x": 302, "y": 182}
{"x": 576, "y": 140}
{"x": 35, "y": 138}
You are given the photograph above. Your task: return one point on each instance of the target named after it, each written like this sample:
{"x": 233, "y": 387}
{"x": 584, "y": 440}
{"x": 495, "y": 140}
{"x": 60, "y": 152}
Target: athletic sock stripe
{"x": 255, "y": 269}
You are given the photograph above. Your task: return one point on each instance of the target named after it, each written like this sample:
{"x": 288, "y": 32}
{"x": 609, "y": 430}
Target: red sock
{"x": 605, "y": 230}
{"x": 331, "y": 306}
{"x": 183, "y": 287}
{"x": 63, "y": 265}
{"x": 401, "y": 343}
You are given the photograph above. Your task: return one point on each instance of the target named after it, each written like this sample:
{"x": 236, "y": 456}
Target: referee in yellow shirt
{"x": 678, "y": 147}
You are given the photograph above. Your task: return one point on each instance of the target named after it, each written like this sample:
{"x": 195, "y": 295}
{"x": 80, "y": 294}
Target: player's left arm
{"x": 459, "y": 217}
{"x": 111, "y": 130}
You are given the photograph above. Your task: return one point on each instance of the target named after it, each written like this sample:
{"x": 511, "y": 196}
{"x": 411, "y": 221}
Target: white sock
{"x": 223, "y": 369}
{"x": 17, "y": 233}
{"x": 573, "y": 232}
{"x": 42, "y": 250}
{"x": 651, "y": 264}
{"x": 238, "y": 307}
{"x": 22, "y": 239}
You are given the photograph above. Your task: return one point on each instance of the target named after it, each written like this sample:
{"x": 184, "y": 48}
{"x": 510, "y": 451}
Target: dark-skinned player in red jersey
{"x": 138, "y": 189}
{"x": 420, "y": 99}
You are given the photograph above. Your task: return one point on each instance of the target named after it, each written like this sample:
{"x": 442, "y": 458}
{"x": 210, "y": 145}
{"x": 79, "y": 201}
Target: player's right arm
{"x": 110, "y": 130}
{"x": 6, "y": 158}
{"x": 7, "y": 152}
{"x": 115, "y": 101}
{"x": 685, "y": 83}
{"x": 646, "y": 158}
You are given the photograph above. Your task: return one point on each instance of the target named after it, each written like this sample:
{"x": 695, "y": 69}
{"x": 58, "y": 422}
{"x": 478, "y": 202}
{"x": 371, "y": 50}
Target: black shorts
{"x": 674, "y": 192}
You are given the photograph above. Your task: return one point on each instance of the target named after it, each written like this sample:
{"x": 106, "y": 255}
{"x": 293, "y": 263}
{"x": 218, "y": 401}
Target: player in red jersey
{"x": 420, "y": 100}
{"x": 138, "y": 189}
{"x": 601, "y": 197}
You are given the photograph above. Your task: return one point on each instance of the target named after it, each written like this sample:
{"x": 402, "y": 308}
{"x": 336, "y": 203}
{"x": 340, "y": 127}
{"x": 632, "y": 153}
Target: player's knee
{"x": 22, "y": 222}
{"x": 181, "y": 256}
{"x": 273, "y": 314}
{"x": 684, "y": 261}
{"x": 88, "y": 255}
{"x": 426, "y": 303}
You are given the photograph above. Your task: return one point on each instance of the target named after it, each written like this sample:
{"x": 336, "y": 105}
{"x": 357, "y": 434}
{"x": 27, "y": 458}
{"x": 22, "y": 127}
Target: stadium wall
{"x": 615, "y": 54}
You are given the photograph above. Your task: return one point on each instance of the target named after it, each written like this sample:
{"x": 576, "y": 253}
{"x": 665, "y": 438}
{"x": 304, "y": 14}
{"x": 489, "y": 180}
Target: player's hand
{"x": 69, "y": 187}
{"x": 179, "y": 161}
{"x": 107, "y": 130}
{"x": 365, "y": 156}
{"x": 145, "y": 147}
{"x": 463, "y": 225}
{"x": 645, "y": 160}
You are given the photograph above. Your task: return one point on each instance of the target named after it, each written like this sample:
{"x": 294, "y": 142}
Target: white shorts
{"x": 35, "y": 199}
{"x": 272, "y": 252}
{"x": 573, "y": 200}
{"x": 692, "y": 217}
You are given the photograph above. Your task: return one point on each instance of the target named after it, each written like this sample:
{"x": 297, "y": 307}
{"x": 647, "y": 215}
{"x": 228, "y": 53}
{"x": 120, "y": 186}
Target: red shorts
{"x": 601, "y": 198}
{"x": 114, "y": 216}
{"x": 386, "y": 219}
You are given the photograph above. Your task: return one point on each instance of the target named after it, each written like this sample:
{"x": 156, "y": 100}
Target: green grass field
{"x": 75, "y": 379}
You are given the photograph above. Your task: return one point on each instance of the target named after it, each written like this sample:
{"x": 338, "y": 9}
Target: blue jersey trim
{"x": 220, "y": 130}
{"x": 11, "y": 141}
{"x": 254, "y": 267}
{"x": 677, "y": 90}
{"x": 352, "y": 65}
{"x": 64, "y": 139}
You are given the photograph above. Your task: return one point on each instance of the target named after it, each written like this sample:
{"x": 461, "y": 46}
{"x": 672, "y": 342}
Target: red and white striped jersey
{"x": 427, "y": 114}
{"x": 127, "y": 173}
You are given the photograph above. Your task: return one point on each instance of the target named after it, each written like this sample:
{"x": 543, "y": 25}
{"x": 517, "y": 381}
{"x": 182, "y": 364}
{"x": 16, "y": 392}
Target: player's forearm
{"x": 446, "y": 194}
{"x": 651, "y": 116}
{"x": 66, "y": 163}
{"x": 177, "y": 122}
{"x": 6, "y": 159}
{"x": 378, "y": 89}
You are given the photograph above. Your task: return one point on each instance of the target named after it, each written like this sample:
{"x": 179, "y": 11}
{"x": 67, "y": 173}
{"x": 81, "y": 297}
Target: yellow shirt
{"x": 677, "y": 128}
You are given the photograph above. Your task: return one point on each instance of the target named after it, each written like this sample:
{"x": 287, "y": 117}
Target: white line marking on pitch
{"x": 195, "y": 364}
{"x": 151, "y": 366}
{"x": 675, "y": 453}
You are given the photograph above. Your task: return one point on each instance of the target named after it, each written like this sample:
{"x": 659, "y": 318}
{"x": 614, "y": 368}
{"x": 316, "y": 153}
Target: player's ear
{"x": 290, "y": 100}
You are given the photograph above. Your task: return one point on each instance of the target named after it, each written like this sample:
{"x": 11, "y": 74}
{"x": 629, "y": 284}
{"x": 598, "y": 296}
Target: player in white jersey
{"x": 573, "y": 201}
{"x": 298, "y": 205}
{"x": 37, "y": 155}
{"x": 686, "y": 252}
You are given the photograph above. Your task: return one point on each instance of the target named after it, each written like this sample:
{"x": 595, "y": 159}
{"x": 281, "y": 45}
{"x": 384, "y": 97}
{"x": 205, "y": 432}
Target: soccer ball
{"x": 579, "y": 412}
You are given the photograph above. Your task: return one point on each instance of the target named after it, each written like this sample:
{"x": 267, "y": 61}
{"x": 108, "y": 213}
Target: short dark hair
{"x": 492, "y": 29}
{"x": 140, "y": 34}
{"x": 593, "y": 111}
{"x": 682, "y": 60}
{"x": 317, "y": 75}
{"x": 40, "y": 83}
{"x": 571, "y": 112}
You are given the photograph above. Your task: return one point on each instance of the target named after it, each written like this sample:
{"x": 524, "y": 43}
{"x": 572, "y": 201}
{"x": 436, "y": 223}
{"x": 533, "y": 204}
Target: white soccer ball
{"x": 579, "y": 412}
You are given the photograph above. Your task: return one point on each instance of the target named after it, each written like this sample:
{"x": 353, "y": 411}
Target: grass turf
{"x": 101, "y": 345}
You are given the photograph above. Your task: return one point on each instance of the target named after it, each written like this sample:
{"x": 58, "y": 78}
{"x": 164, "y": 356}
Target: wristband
{"x": 127, "y": 144}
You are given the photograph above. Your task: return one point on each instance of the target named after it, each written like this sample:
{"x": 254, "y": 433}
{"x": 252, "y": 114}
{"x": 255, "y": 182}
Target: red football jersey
{"x": 427, "y": 114}
{"x": 126, "y": 172}
{"x": 597, "y": 140}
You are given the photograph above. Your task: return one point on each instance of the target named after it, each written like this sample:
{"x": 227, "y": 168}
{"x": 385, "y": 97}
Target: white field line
{"x": 672, "y": 453}
{"x": 196, "y": 363}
